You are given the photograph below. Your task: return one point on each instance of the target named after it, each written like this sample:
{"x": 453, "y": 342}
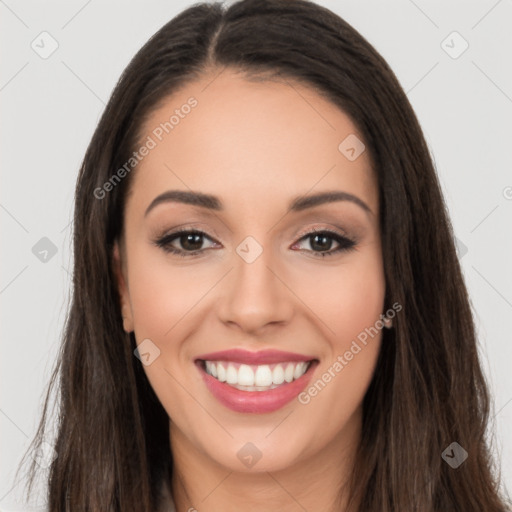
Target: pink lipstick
{"x": 255, "y": 382}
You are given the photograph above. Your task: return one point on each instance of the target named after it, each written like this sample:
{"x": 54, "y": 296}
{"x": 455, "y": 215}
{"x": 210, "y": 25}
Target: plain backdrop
{"x": 459, "y": 84}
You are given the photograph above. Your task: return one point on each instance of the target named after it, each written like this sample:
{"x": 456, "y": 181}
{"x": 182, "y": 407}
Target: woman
{"x": 268, "y": 311}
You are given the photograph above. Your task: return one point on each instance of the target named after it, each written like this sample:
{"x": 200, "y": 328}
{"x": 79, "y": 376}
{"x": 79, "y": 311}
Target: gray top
{"x": 166, "y": 501}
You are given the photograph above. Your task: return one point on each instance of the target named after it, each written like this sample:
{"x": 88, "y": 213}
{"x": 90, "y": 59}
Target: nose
{"x": 255, "y": 296}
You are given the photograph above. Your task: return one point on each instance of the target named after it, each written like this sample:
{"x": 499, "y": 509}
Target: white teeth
{"x": 288, "y": 373}
{"x": 263, "y": 376}
{"x": 278, "y": 375}
{"x": 245, "y": 375}
{"x": 231, "y": 375}
{"x": 256, "y": 377}
{"x": 210, "y": 367}
{"x": 221, "y": 372}
{"x": 299, "y": 370}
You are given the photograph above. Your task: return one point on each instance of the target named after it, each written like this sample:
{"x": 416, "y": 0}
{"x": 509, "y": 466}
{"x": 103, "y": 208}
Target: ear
{"x": 124, "y": 296}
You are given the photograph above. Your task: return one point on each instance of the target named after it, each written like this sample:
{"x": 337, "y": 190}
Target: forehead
{"x": 249, "y": 142}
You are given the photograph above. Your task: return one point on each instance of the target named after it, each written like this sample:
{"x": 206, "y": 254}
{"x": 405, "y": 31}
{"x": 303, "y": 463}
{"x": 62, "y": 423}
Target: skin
{"x": 255, "y": 146}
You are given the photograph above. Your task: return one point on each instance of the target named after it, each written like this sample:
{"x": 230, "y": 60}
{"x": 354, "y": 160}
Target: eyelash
{"x": 346, "y": 244}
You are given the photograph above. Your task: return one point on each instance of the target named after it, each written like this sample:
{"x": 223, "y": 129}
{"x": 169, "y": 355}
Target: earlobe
{"x": 124, "y": 297}
{"x": 388, "y": 323}
{"x": 127, "y": 324}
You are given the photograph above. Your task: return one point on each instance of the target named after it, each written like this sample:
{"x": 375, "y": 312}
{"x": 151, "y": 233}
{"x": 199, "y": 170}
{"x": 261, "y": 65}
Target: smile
{"x": 256, "y": 377}
{"x": 255, "y": 382}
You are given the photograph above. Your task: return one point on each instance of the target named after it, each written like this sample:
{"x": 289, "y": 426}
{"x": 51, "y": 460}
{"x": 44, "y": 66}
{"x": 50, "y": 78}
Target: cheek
{"x": 163, "y": 296}
{"x": 346, "y": 298}
{"x": 348, "y": 302}
{"x": 163, "y": 293}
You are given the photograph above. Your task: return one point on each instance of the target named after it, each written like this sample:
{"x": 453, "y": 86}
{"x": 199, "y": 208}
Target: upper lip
{"x": 242, "y": 356}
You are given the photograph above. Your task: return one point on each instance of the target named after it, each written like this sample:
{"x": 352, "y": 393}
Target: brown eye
{"x": 191, "y": 241}
{"x": 183, "y": 243}
{"x": 321, "y": 242}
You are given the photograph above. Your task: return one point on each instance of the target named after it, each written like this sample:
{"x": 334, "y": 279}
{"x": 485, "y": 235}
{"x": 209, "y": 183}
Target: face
{"x": 251, "y": 304}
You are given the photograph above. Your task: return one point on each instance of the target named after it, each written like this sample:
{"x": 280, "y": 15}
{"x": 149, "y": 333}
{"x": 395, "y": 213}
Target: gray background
{"x": 50, "y": 108}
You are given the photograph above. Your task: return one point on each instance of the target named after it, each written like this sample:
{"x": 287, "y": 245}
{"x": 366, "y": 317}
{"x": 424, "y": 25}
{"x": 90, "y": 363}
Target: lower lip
{"x": 256, "y": 401}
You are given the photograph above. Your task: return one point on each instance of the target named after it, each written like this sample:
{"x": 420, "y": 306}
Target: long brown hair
{"x": 428, "y": 390}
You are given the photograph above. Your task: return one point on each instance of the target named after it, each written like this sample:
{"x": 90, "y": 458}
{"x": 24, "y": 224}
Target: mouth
{"x": 255, "y": 377}
{"x": 255, "y": 382}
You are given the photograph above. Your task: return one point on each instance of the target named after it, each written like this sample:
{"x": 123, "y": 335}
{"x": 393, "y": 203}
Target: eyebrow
{"x": 214, "y": 203}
